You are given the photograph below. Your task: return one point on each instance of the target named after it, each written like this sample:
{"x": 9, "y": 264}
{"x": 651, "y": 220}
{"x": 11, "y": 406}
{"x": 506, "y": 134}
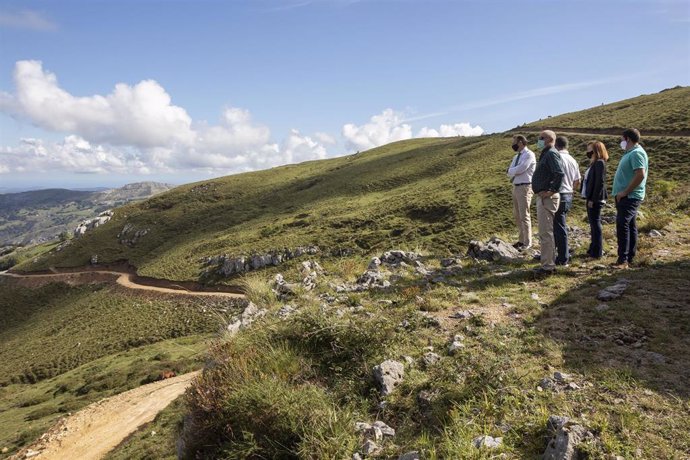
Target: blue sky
{"x": 242, "y": 85}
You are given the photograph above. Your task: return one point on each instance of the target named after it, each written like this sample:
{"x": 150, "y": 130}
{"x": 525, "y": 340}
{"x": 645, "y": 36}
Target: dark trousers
{"x": 596, "y": 246}
{"x": 560, "y": 229}
{"x": 626, "y": 229}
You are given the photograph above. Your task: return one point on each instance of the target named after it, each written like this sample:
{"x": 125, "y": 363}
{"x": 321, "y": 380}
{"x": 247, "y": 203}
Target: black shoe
{"x": 541, "y": 271}
{"x": 518, "y": 245}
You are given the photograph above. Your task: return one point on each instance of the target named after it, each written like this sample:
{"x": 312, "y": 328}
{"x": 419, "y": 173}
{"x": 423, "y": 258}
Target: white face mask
{"x": 624, "y": 145}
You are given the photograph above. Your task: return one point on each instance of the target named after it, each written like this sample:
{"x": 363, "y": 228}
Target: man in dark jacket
{"x": 546, "y": 183}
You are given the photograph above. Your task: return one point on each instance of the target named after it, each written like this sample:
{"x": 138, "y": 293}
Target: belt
{"x": 524, "y": 183}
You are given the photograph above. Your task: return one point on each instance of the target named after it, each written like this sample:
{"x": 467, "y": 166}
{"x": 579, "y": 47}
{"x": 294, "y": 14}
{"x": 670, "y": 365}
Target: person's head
{"x": 519, "y": 142}
{"x": 596, "y": 150}
{"x": 629, "y": 138}
{"x": 561, "y": 143}
{"x": 546, "y": 139}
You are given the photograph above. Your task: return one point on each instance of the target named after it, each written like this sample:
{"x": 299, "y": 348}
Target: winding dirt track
{"x": 95, "y": 430}
{"x": 123, "y": 279}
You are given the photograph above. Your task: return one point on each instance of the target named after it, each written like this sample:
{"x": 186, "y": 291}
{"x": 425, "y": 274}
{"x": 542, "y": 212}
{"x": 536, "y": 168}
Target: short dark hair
{"x": 632, "y": 134}
{"x": 521, "y": 138}
{"x": 561, "y": 142}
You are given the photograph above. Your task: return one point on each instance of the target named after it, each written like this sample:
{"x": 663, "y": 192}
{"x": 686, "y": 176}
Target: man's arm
{"x": 636, "y": 180}
{"x": 521, "y": 167}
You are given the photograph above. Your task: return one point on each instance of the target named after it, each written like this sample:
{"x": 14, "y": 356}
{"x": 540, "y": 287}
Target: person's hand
{"x": 620, "y": 196}
{"x": 545, "y": 194}
{"x": 590, "y": 204}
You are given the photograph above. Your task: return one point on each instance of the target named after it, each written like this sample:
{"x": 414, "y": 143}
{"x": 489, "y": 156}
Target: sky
{"x": 102, "y": 93}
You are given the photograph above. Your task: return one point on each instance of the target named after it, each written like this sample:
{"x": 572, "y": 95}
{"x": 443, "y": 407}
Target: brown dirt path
{"x": 123, "y": 279}
{"x": 95, "y": 430}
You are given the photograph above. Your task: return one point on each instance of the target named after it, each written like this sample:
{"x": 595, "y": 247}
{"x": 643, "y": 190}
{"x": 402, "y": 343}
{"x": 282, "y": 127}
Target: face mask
{"x": 624, "y": 145}
{"x": 589, "y": 154}
{"x": 515, "y": 147}
{"x": 540, "y": 144}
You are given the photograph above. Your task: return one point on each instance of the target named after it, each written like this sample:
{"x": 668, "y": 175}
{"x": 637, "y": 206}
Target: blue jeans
{"x": 626, "y": 229}
{"x": 596, "y": 246}
{"x": 560, "y": 229}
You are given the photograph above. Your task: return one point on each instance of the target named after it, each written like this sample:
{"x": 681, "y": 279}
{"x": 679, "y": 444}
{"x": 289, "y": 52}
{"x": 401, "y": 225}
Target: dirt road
{"x": 123, "y": 279}
{"x": 97, "y": 429}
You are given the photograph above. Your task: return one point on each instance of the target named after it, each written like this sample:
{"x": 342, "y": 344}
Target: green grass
{"x": 28, "y": 410}
{"x": 251, "y": 403}
{"x": 49, "y": 330}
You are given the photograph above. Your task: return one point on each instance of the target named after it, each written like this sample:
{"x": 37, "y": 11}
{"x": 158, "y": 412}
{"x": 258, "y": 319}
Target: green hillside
{"x": 434, "y": 193}
{"x": 63, "y": 347}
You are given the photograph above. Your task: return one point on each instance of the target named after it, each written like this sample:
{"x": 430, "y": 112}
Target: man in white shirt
{"x": 520, "y": 173}
{"x": 570, "y": 183}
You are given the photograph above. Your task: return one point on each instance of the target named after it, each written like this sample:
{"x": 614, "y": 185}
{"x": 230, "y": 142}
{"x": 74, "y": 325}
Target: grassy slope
{"x": 435, "y": 193}
{"x": 51, "y": 329}
{"x": 64, "y": 347}
{"x": 28, "y": 410}
{"x": 301, "y": 395}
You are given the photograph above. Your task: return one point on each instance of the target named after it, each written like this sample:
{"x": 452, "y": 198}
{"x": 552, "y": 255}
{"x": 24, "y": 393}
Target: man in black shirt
{"x": 546, "y": 183}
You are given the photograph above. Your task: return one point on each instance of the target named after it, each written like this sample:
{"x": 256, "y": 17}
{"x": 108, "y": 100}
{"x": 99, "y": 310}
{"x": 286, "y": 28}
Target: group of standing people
{"x": 554, "y": 178}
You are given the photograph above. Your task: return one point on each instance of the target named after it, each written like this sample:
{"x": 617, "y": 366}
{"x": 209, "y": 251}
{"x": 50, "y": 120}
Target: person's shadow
{"x": 644, "y": 334}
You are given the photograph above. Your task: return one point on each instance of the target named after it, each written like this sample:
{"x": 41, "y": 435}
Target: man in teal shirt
{"x": 629, "y": 191}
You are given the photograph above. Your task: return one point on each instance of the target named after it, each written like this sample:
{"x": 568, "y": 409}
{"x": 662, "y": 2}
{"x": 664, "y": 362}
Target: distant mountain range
{"x": 38, "y": 216}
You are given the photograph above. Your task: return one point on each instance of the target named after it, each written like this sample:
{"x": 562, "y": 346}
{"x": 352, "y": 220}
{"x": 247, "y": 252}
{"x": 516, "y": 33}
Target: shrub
{"x": 257, "y": 401}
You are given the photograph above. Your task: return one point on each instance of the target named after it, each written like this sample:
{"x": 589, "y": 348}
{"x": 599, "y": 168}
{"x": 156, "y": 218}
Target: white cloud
{"x": 27, "y": 19}
{"x": 457, "y": 129}
{"x": 73, "y": 154}
{"x": 297, "y": 148}
{"x": 381, "y": 129}
{"x": 137, "y": 128}
{"x": 325, "y": 138}
{"x": 390, "y": 126}
{"x": 141, "y": 115}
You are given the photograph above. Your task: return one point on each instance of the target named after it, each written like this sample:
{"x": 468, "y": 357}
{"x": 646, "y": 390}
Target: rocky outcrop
{"x": 373, "y": 277}
{"x": 226, "y": 265}
{"x": 90, "y": 224}
{"x": 495, "y": 250}
{"x": 248, "y": 316}
{"x": 130, "y": 235}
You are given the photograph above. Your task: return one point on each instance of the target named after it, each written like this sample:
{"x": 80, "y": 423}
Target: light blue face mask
{"x": 540, "y": 144}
